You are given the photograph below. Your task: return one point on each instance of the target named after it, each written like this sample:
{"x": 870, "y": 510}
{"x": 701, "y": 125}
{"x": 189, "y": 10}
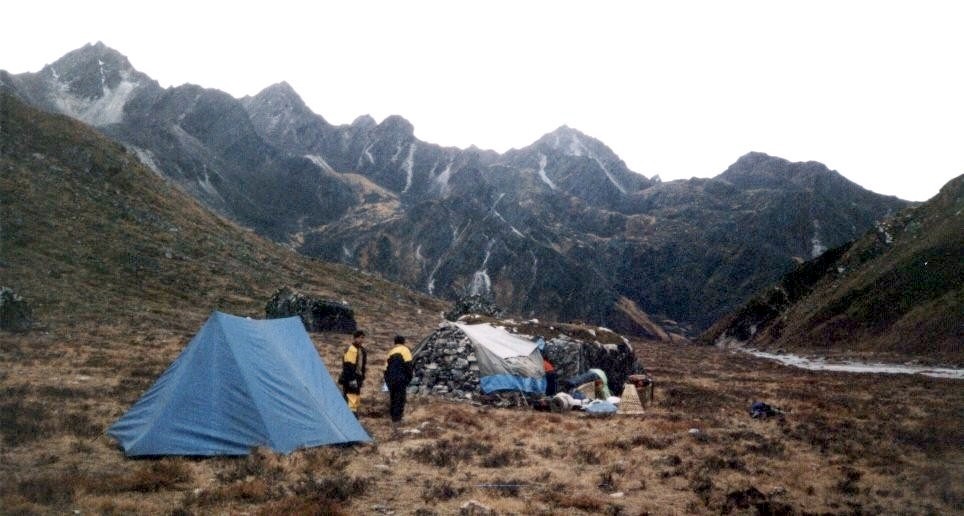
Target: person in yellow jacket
{"x": 353, "y": 371}
{"x": 398, "y": 374}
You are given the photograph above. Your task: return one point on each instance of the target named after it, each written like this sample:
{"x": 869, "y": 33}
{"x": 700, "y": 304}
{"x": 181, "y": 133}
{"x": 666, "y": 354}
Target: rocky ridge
{"x": 560, "y": 228}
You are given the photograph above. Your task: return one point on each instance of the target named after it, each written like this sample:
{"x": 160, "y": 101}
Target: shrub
{"x": 248, "y": 491}
{"x": 22, "y": 421}
{"x": 293, "y": 506}
{"x": 338, "y": 488}
{"x": 587, "y": 456}
{"x": 501, "y": 459}
{"x": 440, "y": 491}
{"x": 47, "y": 490}
{"x": 257, "y": 464}
{"x": 652, "y": 443}
{"x": 579, "y": 501}
{"x": 446, "y": 453}
{"x": 159, "y": 475}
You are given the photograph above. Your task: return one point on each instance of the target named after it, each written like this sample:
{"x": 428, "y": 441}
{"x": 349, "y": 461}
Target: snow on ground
{"x": 819, "y": 364}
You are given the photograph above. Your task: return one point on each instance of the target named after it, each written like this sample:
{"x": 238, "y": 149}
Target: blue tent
{"x": 240, "y": 383}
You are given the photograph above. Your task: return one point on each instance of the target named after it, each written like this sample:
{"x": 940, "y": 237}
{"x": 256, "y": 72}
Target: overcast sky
{"x": 874, "y": 90}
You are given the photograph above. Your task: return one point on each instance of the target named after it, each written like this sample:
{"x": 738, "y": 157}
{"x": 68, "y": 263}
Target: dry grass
{"x": 888, "y": 444}
{"x": 88, "y": 246}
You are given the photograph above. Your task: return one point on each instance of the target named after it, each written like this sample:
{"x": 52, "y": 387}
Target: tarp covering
{"x": 506, "y": 362}
{"x": 498, "y": 341}
{"x": 240, "y": 383}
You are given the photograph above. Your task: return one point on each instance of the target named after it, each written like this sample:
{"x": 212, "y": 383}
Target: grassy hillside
{"x": 91, "y": 236}
{"x": 898, "y": 291}
{"x": 122, "y": 269}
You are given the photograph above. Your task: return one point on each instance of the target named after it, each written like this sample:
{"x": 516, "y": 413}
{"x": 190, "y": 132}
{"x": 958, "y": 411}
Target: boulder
{"x": 316, "y": 314}
{"x": 15, "y": 313}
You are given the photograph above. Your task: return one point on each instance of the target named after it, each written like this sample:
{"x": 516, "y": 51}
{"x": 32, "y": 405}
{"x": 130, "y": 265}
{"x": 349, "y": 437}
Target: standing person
{"x": 552, "y": 385}
{"x": 353, "y": 371}
{"x": 398, "y": 374}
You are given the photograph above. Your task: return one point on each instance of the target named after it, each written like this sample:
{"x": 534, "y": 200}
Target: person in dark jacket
{"x": 353, "y": 371}
{"x": 552, "y": 385}
{"x": 398, "y": 374}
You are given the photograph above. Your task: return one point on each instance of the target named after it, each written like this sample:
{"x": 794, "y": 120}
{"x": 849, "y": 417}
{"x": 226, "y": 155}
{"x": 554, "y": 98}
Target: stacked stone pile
{"x": 445, "y": 363}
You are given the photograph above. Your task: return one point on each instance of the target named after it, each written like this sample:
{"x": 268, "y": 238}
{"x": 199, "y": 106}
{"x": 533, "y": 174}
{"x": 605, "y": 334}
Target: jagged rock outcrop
{"x": 316, "y": 314}
{"x": 15, "y": 313}
{"x": 560, "y": 228}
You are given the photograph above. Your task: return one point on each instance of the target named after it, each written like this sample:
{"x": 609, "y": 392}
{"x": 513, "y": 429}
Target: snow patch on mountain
{"x": 816, "y": 246}
{"x": 441, "y": 181}
{"x": 320, "y": 162}
{"x": 576, "y": 147}
{"x": 104, "y": 110}
{"x": 612, "y": 179}
{"x": 208, "y": 187}
{"x": 408, "y": 165}
{"x": 398, "y": 151}
{"x": 481, "y": 282}
{"x": 499, "y": 216}
{"x": 542, "y": 171}
{"x": 147, "y": 158}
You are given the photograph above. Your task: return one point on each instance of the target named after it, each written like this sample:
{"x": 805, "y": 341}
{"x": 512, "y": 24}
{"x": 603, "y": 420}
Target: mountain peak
{"x": 280, "y": 96}
{"x": 760, "y": 170}
{"x": 92, "y": 83}
{"x": 92, "y": 54}
{"x": 364, "y": 122}
{"x": 397, "y": 124}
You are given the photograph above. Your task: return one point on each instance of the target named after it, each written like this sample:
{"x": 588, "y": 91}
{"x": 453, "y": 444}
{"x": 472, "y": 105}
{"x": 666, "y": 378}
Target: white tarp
{"x": 498, "y": 341}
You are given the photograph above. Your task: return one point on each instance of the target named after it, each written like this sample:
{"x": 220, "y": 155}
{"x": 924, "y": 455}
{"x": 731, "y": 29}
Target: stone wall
{"x": 572, "y": 356}
{"x": 445, "y": 365}
{"x": 445, "y": 362}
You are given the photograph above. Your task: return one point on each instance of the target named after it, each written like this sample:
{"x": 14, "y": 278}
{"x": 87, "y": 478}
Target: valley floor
{"x": 857, "y": 366}
{"x": 847, "y": 444}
